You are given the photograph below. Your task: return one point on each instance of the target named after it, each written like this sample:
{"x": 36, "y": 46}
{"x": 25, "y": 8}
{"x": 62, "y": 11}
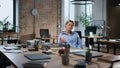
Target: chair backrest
{"x": 44, "y": 33}
{"x": 79, "y": 33}
{"x": 23, "y": 38}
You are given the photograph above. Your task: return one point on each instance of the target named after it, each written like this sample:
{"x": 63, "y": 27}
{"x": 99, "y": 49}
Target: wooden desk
{"x": 12, "y": 36}
{"x": 9, "y": 40}
{"x": 110, "y": 59}
{"x": 51, "y": 38}
{"x": 92, "y": 36}
{"x": 17, "y": 59}
{"x": 109, "y": 42}
{"x": 87, "y": 42}
{"x": 7, "y": 33}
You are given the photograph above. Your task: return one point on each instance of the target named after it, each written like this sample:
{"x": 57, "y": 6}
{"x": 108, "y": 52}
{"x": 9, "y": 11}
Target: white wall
{"x": 99, "y": 10}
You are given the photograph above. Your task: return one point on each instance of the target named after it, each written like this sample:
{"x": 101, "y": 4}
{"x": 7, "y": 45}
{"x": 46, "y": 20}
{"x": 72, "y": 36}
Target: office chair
{"x": 79, "y": 33}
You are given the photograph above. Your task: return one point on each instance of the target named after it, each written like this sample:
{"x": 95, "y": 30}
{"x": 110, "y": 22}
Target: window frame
{"x": 14, "y": 18}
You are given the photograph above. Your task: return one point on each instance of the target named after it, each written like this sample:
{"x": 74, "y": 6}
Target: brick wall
{"x": 48, "y": 16}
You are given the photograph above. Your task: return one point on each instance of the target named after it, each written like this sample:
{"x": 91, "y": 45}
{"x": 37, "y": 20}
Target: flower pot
{"x": 88, "y": 57}
{"x": 65, "y": 55}
{"x": 65, "y": 59}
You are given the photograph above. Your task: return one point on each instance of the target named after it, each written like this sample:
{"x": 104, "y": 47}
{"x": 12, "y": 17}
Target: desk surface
{"x": 92, "y": 36}
{"x": 45, "y": 37}
{"x": 17, "y": 59}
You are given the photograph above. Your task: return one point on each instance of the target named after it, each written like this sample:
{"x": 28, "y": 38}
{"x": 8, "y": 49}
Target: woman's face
{"x": 69, "y": 26}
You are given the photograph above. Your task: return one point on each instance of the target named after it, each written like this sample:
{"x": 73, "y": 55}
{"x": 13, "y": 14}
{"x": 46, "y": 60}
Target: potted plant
{"x": 4, "y": 24}
{"x": 36, "y": 44}
{"x": 88, "y": 56}
{"x": 85, "y": 19}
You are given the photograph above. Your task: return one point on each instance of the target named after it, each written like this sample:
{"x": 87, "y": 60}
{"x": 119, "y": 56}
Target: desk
{"x": 17, "y": 59}
{"x": 87, "y": 42}
{"x": 13, "y": 37}
{"x": 53, "y": 38}
{"x": 7, "y": 33}
{"x": 108, "y": 42}
{"x": 9, "y": 40}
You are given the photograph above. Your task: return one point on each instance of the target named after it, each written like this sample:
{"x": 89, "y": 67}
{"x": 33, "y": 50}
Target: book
{"x": 37, "y": 56}
{"x": 35, "y": 64}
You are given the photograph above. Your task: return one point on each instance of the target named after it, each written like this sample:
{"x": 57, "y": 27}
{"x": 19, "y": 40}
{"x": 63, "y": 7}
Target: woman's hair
{"x": 69, "y": 21}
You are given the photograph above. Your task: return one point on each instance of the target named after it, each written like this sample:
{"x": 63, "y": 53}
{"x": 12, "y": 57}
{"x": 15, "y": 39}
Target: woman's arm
{"x": 61, "y": 39}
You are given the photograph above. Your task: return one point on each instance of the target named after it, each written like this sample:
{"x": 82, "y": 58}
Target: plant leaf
{"x": 85, "y": 19}
{"x": 5, "y": 20}
{"x": 1, "y": 23}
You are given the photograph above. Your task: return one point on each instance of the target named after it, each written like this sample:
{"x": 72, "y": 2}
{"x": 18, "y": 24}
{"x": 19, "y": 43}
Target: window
{"x": 7, "y": 14}
{"x": 71, "y": 11}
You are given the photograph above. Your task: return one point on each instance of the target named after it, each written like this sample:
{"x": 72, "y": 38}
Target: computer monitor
{"x": 44, "y": 33}
{"x": 90, "y": 29}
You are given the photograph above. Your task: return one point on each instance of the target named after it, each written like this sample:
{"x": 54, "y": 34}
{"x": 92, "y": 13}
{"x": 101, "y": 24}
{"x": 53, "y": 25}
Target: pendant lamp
{"x": 82, "y": 2}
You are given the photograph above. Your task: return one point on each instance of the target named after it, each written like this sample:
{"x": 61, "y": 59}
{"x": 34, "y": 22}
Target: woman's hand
{"x": 62, "y": 39}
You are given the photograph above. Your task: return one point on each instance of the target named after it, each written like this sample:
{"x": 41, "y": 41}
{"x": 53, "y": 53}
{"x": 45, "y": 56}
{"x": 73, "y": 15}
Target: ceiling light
{"x": 82, "y": 2}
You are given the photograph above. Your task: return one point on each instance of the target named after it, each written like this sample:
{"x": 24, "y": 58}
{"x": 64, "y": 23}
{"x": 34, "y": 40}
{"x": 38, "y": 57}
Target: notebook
{"x": 36, "y": 56}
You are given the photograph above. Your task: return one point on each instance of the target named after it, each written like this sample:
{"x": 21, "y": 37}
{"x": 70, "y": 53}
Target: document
{"x": 76, "y": 51}
{"x": 14, "y": 51}
{"x": 11, "y": 48}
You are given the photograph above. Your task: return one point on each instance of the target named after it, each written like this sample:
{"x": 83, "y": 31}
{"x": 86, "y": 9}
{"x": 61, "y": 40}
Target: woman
{"x": 70, "y": 37}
